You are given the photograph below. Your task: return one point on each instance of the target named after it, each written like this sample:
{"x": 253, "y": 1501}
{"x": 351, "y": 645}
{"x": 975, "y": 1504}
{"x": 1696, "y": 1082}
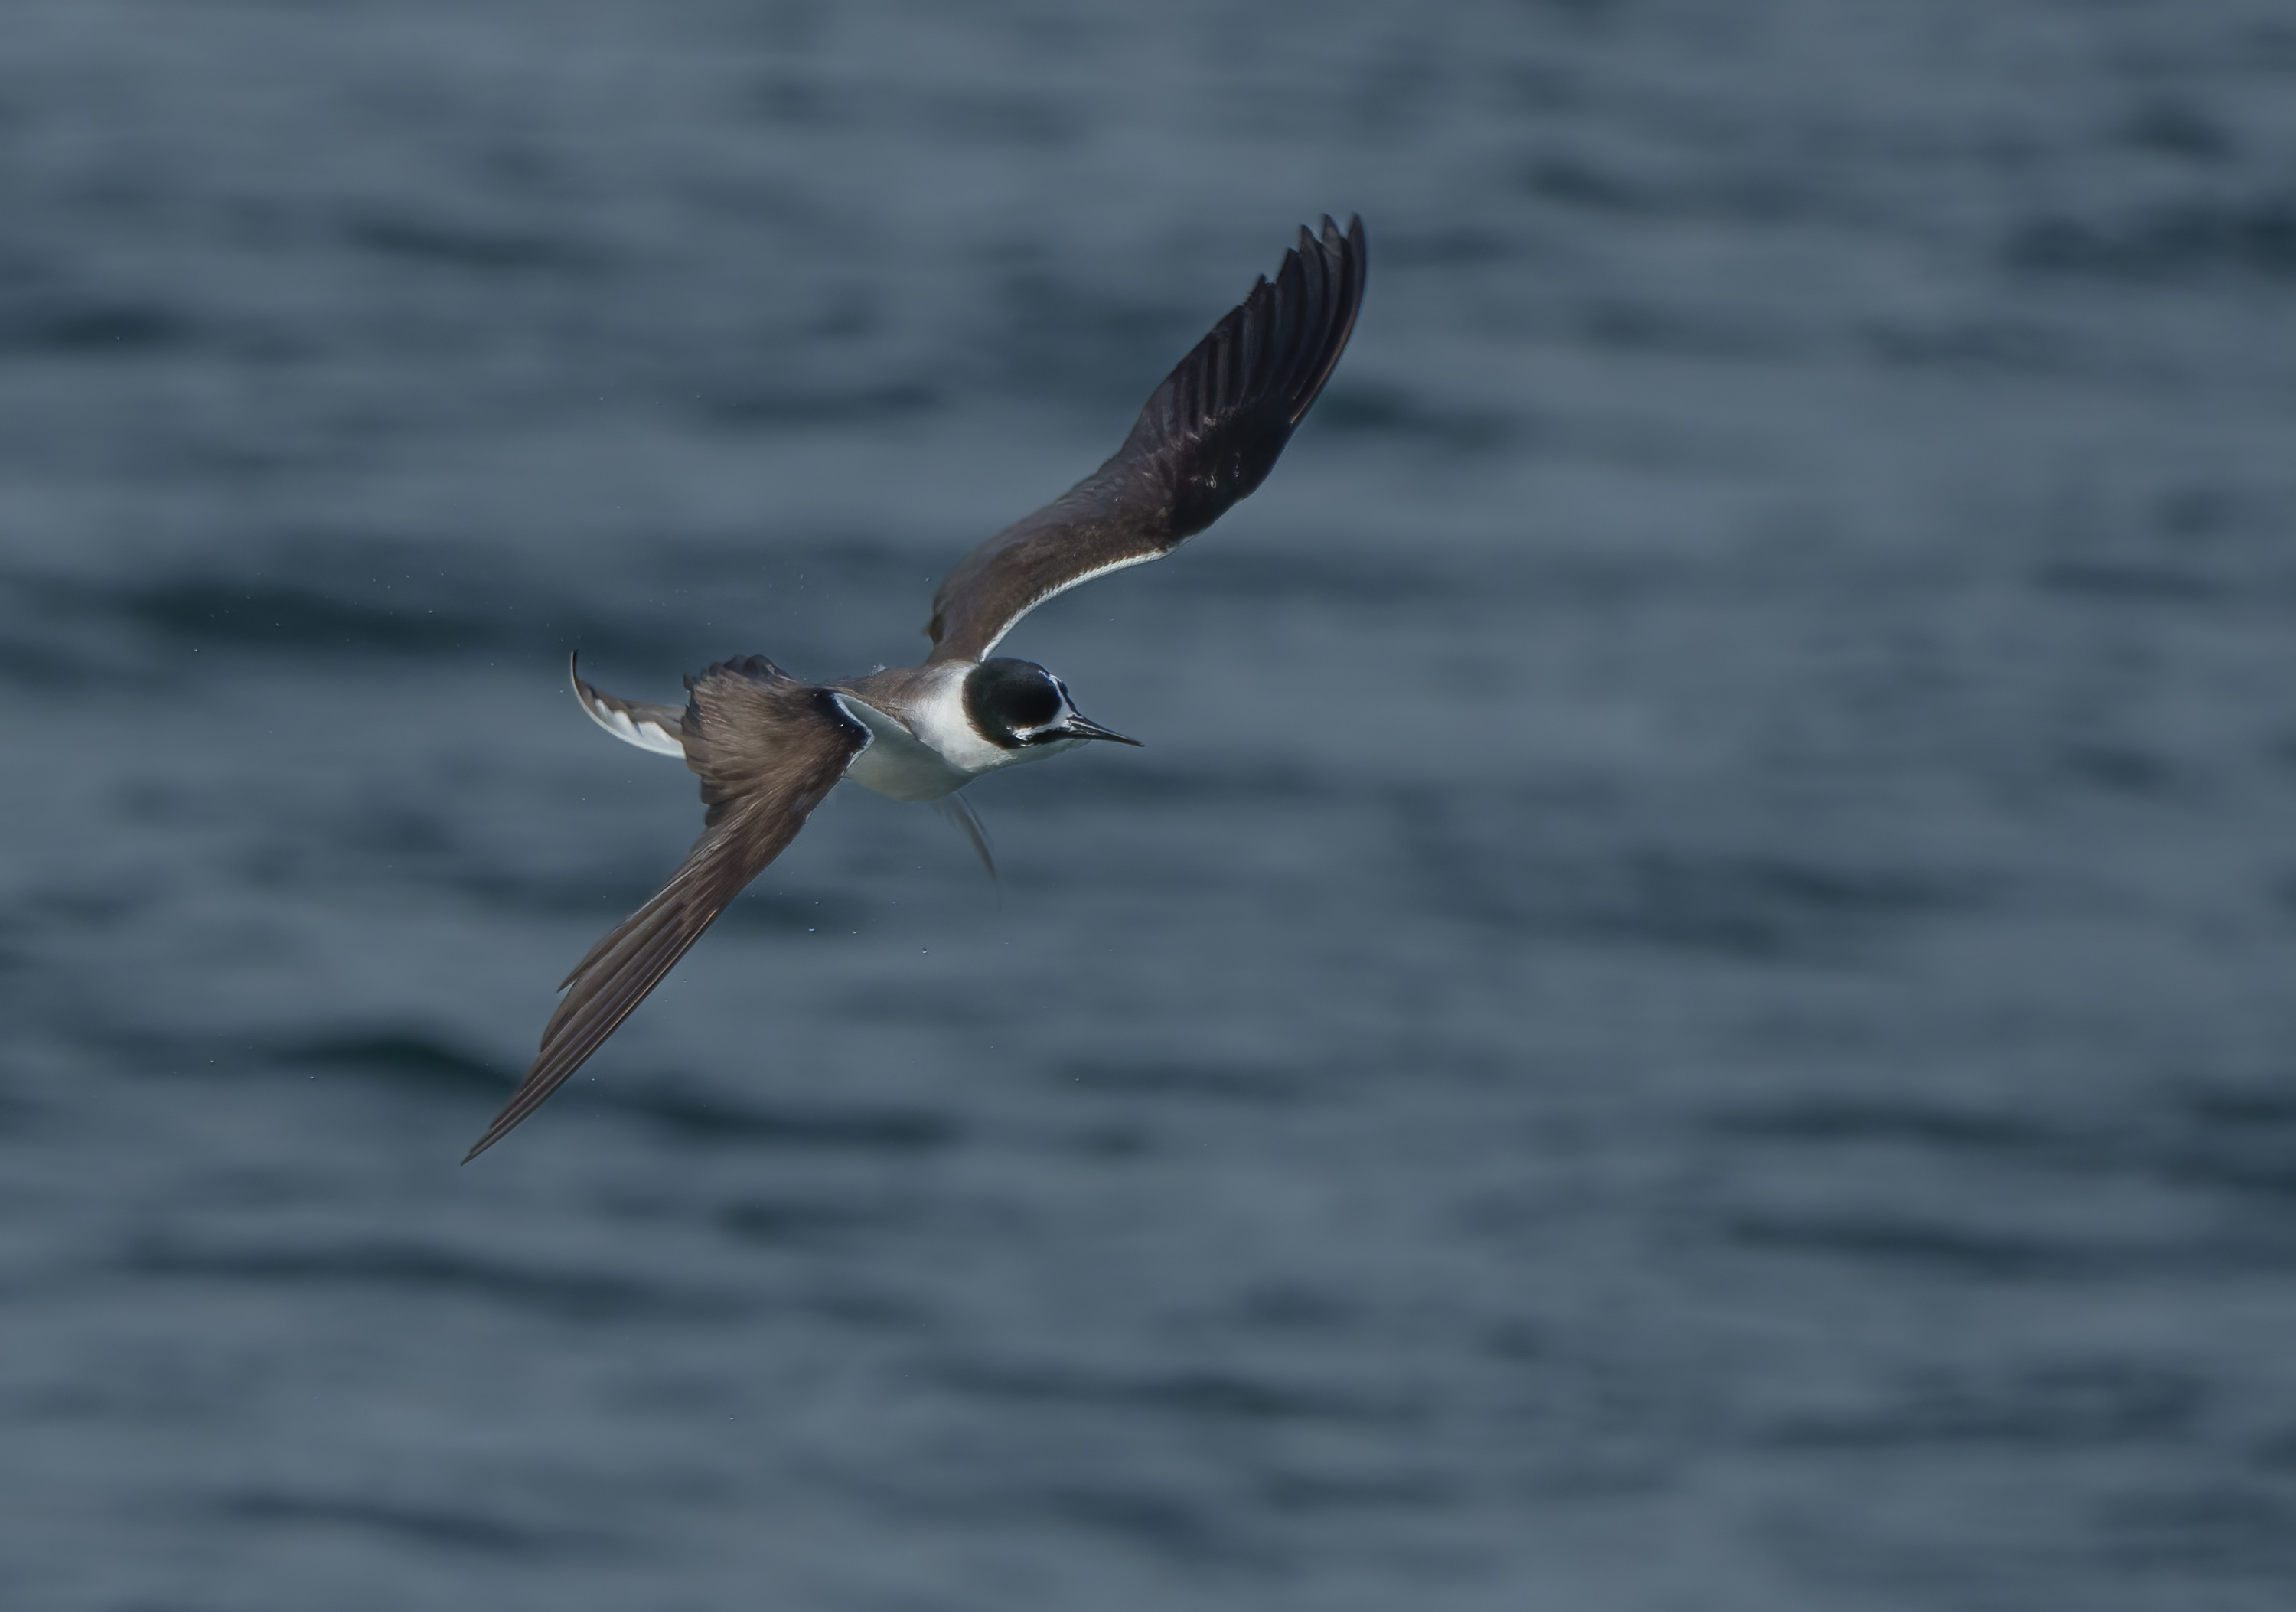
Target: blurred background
{"x": 1689, "y": 1008}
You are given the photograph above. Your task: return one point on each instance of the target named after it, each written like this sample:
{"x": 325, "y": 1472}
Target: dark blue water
{"x": 1690, "y": 1007}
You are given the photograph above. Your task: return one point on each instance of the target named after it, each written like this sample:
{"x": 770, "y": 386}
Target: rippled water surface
{"x": 1690, "y": 1007}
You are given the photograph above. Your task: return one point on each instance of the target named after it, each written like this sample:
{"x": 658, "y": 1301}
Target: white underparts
{"x": 895, "y": 763}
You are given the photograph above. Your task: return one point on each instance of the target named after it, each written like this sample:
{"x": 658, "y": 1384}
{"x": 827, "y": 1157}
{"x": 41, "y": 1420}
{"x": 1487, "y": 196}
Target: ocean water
{"x": 1689, "y": 1007}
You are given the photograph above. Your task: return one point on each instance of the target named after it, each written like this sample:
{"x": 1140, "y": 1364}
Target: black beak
{"x": 1076, "y": 727}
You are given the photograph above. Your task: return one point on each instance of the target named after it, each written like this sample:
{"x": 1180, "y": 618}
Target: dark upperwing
{"x": 768, "y": 750}
{"x": 1208, "y": 436}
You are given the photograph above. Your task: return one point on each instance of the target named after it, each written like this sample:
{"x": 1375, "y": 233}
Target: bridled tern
{"x": 769, "y": 748}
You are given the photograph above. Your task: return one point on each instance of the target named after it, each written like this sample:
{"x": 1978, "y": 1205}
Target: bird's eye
{"x": 1013, "y": 697}
{"x": 1035, "y": 705}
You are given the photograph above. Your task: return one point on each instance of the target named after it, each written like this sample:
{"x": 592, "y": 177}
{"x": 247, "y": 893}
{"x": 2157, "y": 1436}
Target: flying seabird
{"x": 769, "y": 748}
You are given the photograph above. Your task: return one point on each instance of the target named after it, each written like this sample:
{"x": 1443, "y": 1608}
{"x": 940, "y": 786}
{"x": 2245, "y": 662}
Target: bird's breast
{"x": 895, "y": 762}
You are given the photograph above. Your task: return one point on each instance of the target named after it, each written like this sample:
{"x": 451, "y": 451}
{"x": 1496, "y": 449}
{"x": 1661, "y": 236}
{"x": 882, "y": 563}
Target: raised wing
{"x": 1208, "y": 436}
{"x": 648, "y": 726}
{"x": 768, "y": 749}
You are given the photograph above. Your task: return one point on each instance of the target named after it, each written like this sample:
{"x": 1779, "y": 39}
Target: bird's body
{"x": 922, "y": 748}
{"x": 928, "y": 737}
{"x": 769, "y": 748}
{"x": 925, "y": 741}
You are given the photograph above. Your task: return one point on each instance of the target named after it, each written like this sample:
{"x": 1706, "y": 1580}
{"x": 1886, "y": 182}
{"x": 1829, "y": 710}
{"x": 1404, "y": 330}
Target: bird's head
{"x": 1018, "y": 705}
